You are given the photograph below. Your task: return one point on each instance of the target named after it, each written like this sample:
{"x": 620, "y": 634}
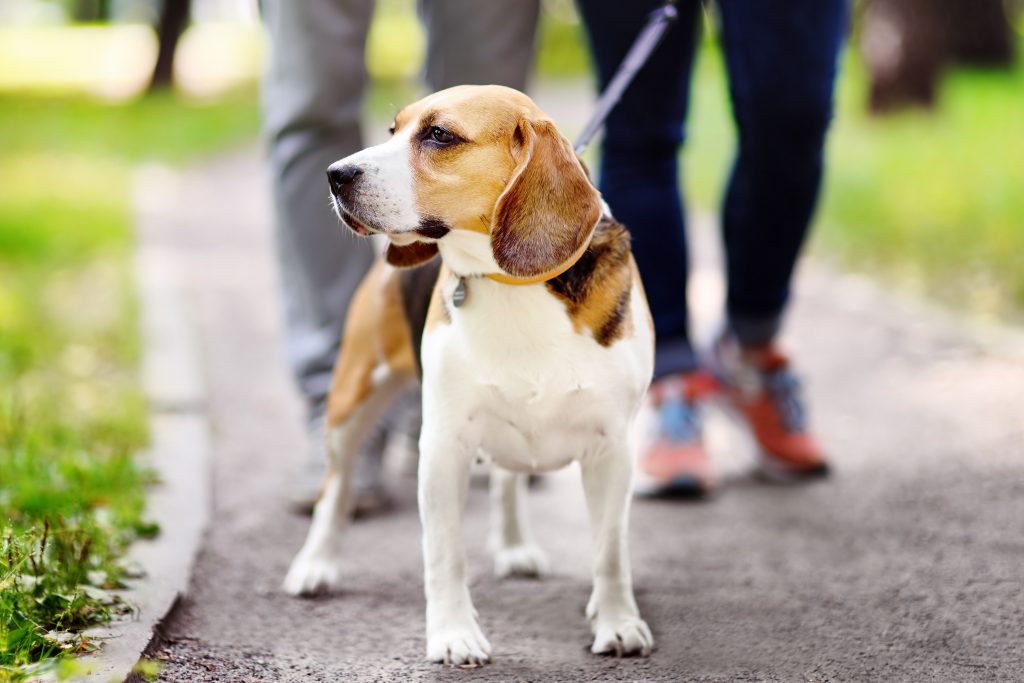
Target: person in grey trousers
{"x": 311, "y": 103}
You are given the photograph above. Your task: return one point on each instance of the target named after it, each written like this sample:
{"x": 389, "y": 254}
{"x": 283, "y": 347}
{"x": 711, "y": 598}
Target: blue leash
{"x": 638, "y": 54}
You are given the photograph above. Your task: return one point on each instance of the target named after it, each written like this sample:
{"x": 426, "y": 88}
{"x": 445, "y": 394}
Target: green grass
{"x": 72, "y": 416}
{"x": 933, "y": 199}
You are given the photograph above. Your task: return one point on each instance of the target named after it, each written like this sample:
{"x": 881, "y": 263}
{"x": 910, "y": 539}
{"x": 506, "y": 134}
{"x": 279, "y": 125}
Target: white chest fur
{"x": 510, "y": 376}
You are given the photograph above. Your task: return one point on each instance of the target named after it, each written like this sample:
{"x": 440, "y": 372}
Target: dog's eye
{"x": 442, "y": 136}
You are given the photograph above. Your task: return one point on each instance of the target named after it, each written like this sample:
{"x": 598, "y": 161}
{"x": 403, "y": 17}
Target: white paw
{"x": 622, "y": 636}
{"x": 618, "y": 630}
{"x": 525, "y": 560}
{"x": 458, "y": 645}
{"x": 311, "y": 574}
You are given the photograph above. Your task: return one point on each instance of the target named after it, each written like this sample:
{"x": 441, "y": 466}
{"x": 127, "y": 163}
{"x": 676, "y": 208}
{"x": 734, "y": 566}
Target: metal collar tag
{"x": 459, "y": 295}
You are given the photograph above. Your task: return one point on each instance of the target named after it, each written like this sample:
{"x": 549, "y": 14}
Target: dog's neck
{"x": 468, "y": 254}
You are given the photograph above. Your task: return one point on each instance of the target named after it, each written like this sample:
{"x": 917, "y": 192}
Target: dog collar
{"x": 460, "y": 292}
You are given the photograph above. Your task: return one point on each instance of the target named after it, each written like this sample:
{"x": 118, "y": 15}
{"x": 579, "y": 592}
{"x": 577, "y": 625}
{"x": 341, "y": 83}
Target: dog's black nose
{"x": 340, "y": 176}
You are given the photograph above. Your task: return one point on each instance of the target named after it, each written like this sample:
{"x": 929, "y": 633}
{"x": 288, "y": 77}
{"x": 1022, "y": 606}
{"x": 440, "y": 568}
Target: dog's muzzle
{"x": 343, "y": 180}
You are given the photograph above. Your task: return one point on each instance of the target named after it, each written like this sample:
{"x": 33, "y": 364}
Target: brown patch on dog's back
{"x": 596, "y": 290}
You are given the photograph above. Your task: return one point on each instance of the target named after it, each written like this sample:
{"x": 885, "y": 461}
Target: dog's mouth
{"x": 357, "y": 226}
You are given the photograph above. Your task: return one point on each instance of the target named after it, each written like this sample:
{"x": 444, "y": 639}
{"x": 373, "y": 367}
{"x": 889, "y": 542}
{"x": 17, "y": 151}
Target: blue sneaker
{"x": 674, "y": 462}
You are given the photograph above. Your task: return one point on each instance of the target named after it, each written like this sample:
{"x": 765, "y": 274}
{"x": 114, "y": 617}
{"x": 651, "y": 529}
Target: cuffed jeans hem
{"x": 755, "y": 331}
{"x": 674, "y": 357}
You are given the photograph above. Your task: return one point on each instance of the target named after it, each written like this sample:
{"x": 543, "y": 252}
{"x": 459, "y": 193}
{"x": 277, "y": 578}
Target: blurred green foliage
{"x": 561, "y": 48}
{"x": 72, "y": 417}
{"x": 934, "y": 198}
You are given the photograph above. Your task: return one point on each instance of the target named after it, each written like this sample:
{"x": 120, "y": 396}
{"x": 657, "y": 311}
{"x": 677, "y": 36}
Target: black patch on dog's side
{"x": 607, "y": 253}
{"x": 433, "y": 228}
{"x": 608, "y": 249}
{"x": 417, "y": 286}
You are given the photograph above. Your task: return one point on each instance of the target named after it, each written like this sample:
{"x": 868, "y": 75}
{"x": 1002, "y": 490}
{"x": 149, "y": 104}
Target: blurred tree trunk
{"x": 978, "y": 32}
{"x": 90, "y": 10}
{"x": 903, "y": 44}
{"x": 907, "y": 43}
{"x": 172, "y": 22}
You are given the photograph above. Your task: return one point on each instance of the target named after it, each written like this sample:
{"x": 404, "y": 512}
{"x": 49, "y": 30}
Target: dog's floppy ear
{"x": 410, "y": 255}
{"x": 549, "y": 208}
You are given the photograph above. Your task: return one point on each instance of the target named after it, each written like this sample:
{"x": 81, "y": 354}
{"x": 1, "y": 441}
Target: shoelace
{"x": 784, "y": 391}
{"x": 678, "y": 420}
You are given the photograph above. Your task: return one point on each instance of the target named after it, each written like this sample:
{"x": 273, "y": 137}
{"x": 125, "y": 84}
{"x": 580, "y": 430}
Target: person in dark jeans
{"x": 782, "y": 61}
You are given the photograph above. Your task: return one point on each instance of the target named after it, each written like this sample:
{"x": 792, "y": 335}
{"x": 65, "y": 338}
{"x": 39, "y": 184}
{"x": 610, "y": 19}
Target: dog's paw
{"x": 621, "y": 637}
{"x": 459, "y": 646}
{"x": 525, "y": 560}
{"x": 312, "y": 575}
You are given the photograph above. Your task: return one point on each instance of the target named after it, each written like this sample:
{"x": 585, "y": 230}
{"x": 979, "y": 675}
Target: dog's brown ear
{"x": 410, "y": 255}
{"x": 549, "y": 208}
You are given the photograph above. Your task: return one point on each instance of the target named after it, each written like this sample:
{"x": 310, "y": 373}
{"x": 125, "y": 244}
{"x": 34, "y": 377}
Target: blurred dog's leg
{"x": 316, "y": 566}
{"x": 515, "y": 554}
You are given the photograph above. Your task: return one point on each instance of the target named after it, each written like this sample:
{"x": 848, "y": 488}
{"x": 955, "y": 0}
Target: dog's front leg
{"x": 612, "y": 610}
{"x": 453, "y": 634}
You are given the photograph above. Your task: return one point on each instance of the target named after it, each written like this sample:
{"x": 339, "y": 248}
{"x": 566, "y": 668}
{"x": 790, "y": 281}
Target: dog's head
{"x": 471, "y": 159}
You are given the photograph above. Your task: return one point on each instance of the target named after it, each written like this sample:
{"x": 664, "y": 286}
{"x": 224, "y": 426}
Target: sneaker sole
{"x": 774, "y": 471}
{"x": 768, "y": 466}
{"x": 680, "y": 487}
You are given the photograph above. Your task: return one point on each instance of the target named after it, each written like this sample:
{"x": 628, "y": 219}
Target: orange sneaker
{"x": 674, "y": 462}
{"x": 759, "y": 385}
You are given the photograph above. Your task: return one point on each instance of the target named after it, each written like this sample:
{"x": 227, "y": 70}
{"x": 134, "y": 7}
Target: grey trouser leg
{"x": 312, "y": 101}
{"x": 479, "y": 42}
{"x": 312, "y": 97}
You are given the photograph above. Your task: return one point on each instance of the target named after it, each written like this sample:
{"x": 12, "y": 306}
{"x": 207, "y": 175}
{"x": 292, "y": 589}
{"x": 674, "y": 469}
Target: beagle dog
{"x": 534, "y": 343}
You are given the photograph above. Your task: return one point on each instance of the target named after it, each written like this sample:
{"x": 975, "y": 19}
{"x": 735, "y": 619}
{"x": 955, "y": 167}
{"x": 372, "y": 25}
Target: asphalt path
{"x": 906, "y": 565}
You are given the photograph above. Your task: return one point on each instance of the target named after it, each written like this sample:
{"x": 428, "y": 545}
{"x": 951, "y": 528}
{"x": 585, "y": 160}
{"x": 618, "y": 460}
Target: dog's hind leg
{"x": 515, "y": 554}
{"x": 612, "y": 610}
{"x": 376, "y": 364}
{"x": 316, "y": 566}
